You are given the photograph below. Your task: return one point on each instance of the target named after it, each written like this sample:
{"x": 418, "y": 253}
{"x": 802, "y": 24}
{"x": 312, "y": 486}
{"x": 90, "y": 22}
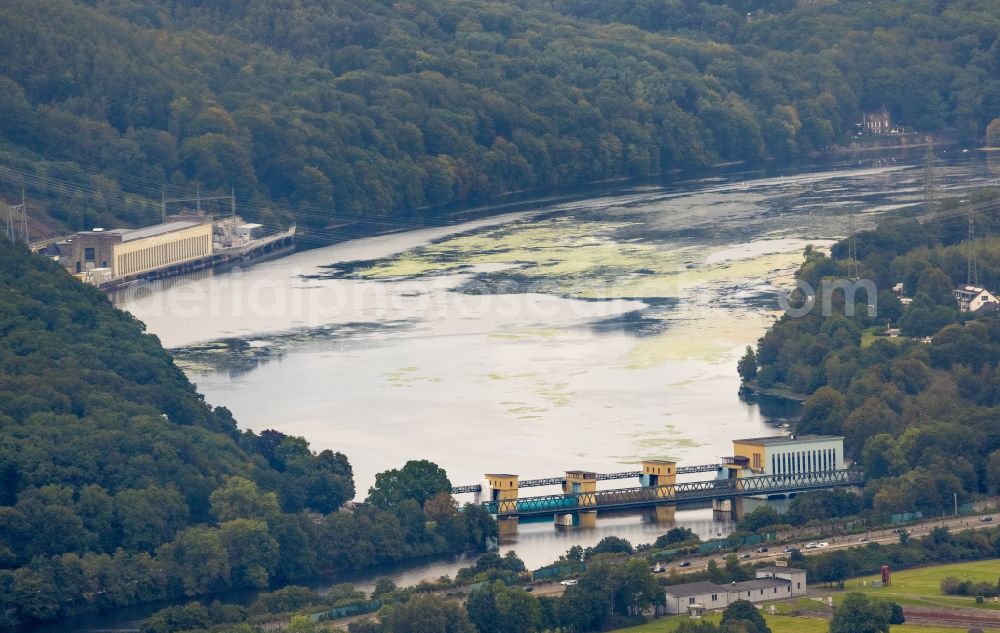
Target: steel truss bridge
{"x": 558, "y": 481}
{"x": 648, "y": 496}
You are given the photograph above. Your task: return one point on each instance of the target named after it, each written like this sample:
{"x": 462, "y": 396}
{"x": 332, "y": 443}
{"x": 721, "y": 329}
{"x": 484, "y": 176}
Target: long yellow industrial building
{"x": 130, "y": 252}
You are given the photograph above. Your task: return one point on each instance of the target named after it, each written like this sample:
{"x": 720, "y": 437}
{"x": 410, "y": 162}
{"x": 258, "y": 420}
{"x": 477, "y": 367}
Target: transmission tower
{"x": 10, "y": 222}
{"x": 17, "y": 221}
{"x": 24, "y": 217}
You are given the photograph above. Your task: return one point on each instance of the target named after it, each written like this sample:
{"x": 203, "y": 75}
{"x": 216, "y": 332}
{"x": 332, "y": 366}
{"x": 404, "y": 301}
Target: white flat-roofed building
{"x": 760, "y": 589}
{"x": 250, "y": 230}
{"x": 771, "y": 583}
{"x": 791, "y": 454}
{"x": 704, "y": 595}
{"x": 796, "y": 577}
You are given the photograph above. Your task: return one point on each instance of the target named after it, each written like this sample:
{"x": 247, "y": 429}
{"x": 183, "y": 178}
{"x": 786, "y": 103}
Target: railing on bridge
{"x": 703, "y": 468}
{"x": 558, "y": 481}
{"x": 675, "y": 493}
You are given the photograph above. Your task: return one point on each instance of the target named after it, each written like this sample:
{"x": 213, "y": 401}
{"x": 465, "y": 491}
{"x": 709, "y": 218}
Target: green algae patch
{"x": 526, "y": 334}
{"x": 407, "y": 377}
{"x": 710, "y": 339}
{"x": 495, "y": 375}
{"x": 555, "y": 393}
{"x": 556, "y": 255}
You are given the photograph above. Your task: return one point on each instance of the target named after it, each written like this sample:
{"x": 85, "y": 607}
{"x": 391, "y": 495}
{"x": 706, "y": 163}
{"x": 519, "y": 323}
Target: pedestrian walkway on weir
{"x": 738, "y": 476}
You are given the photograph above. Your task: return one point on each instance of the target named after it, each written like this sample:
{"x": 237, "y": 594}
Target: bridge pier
{"x": 662, "y": 475}
{"x": 665, "y": 514}
{"x": 506, "y": 526}
{"x": 584, "y": 484}
{"x": 660, "y": 514}
{"x": 586, "y": 519}
{"x": 728, "y": 509}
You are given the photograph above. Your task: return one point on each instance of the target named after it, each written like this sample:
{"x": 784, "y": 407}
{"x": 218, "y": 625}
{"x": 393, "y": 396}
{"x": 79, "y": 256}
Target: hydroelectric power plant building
{"x": 791, "y": 454}
{"x": 132, "y": 252}
{"x": 117, "y": 257}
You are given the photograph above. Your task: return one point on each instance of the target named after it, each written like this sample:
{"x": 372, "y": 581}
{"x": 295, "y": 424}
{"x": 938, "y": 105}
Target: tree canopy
{"x": 917, "y": 411}
{"x": 120, "y": 485}
{"x": 328, "y": 110}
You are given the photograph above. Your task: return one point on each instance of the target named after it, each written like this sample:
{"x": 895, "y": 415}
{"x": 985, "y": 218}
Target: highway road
{"x": 775, "y": 552}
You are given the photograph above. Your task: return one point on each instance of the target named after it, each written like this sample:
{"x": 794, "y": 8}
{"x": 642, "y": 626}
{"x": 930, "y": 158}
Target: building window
{"x": 715, "y": 597}
{"x": 88, "y": 254}
{"x": 798, "y": 585}
{"x": 691, "y": 600}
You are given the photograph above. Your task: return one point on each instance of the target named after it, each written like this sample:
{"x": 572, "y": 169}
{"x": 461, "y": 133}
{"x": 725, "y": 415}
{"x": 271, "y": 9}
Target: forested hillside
{"x": 326, "y": 109}
{"x": 119, "y": 485}
{"x": 918, "y": 411}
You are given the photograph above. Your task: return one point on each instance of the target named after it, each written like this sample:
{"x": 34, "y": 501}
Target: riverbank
{"x": 576, "y": 379}
{"x": 915, "y": 140}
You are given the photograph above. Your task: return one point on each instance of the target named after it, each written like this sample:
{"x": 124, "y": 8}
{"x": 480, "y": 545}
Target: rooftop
{"x": 694, "y": 588}
{"x": 776, "y": 440}
{"x": 781, "y": 570}
{"x": 760, "y": 583}
{"x": 157, "y": 229}
{"x": 969, "y": 289}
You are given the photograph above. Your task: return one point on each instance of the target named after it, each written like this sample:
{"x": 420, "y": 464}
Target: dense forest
{"x": 120, "y": 485}
{"x": 326, "y": 110}
{"x": 919, "y": 410}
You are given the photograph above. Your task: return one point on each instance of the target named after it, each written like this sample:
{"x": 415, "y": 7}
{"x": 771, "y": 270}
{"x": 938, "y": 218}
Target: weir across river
{"x": 659, "y": 491}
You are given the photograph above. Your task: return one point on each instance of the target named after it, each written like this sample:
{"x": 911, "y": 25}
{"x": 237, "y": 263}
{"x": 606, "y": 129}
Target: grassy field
{"x": 782, "y": 624}
{"x": 869, "y": 336}
{"x": 918, "y": 587}
{"x": 922, "y": 587}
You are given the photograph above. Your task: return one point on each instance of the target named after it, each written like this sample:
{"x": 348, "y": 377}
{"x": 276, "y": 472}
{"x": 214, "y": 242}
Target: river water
{"x": 590, "y": 334}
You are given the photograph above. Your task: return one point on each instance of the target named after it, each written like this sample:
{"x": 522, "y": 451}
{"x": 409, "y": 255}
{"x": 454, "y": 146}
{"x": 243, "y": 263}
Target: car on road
{"x": 789, "y": 550}
{"x": 569, "y": 582}
{"x": 863, "y": 539}
{"x": 685, "y": 563}
{"x": 812, "y": 545}
{"x": 744, "y": 556}
{"x": 985, "y": 519}
{"x": 761, "y": 550}
{"x": 823, "y": 544}
{"x": 528, "y": 588}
